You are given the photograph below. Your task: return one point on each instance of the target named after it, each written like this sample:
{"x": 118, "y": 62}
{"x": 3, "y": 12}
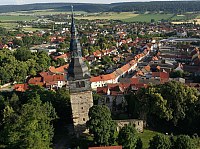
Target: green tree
{"x": 30, "y": 127}
{"x": 101, "y": 125}
{"x": 27, "y": 40}
{"x": 43, "y": 61}
{"x": 176, "y": 74}
{"x": 160, "y": 141}
{"x": 60, "y": 62}
{"x": 62, "y": 45}
{"x": 23, "y": 54}
{"x": 62, "y": 105}
{"x": 127, "y": 137}
{"x": 170, "y": 101}
{"x": 184, "y": 142}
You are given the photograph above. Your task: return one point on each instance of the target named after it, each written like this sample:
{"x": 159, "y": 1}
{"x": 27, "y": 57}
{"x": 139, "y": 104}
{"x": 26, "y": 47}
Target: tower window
{"x": 82, "y": 108}
{"x": 80, "y": 84}
{"x": 83, "y": 119}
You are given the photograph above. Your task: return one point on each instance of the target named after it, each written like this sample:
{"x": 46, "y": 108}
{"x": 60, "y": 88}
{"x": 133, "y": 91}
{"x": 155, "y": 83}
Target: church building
{"x": 79, "y": 83}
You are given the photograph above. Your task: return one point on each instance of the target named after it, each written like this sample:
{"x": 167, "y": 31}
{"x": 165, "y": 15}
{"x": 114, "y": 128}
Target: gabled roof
{"x": 36, "y": 81}
{"x": 102, "y": 90}
{"x": 21, "y": 87}
{"x": 61, "y": 69}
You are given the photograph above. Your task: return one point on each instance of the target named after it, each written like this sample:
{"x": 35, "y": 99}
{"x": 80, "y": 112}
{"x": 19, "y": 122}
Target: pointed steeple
{"x": 77, "y": 68}
{"x": 73, "y": 28}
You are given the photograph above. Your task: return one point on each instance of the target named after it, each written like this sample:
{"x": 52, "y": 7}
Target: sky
{"x": 19, "y": 2}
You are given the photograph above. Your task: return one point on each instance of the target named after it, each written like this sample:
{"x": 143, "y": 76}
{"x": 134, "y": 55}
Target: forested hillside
{"x": 156, "y": 6}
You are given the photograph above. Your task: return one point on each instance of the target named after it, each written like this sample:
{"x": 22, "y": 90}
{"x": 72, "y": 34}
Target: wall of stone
{"x": 138, "y": 124}
{"x": 81, "y": 102}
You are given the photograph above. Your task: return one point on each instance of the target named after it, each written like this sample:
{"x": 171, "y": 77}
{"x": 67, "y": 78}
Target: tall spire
{"x": 73, "y": 28}
{"x": 77, "y": 68}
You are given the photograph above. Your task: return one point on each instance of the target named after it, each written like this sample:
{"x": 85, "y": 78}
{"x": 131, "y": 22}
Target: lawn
{"x": 148, "y": 17}
{"x": 6, "y": 18}
{"x": 146, "y": 136}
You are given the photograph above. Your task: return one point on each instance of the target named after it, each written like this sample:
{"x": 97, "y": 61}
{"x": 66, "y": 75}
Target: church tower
{"x": 79, "y": 84}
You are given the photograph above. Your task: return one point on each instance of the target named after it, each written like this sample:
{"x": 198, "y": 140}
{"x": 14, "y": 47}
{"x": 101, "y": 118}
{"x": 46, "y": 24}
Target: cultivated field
{"x": 148, "y": 17}
{"x": 133, "y": 17}
{"x": 9, "y": 25}
{"x": 108, "y": 16}
{"x": 7, "y": 18}
{"x": 41, "y": 12}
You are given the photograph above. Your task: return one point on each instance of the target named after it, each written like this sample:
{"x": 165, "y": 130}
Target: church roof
{"x": 77, "y": 68}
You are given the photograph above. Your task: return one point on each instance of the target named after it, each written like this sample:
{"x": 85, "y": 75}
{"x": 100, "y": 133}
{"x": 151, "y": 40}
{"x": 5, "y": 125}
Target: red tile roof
{"x": 21, "y": 87}
{"x": 36, "y": 81}
{"x": 164, "y": 75}
{"x": 102, "y": 90}
{"x": 61, "y": 69}
{"x": 134, "y": 80}
{"x": 121, "y": 70}
{"x": 66, "y": 55}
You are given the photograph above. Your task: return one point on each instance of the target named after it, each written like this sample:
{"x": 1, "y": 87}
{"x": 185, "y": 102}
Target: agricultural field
{"x": 132, "y": 17}
{"x": 6, "y": 18}
{"x": 9, "y": 25}
{"x": 41, "y": 12}
{"x": 108, "y": 16}
{"x": 31, "y": 29}
{"x": 148, "y": 17}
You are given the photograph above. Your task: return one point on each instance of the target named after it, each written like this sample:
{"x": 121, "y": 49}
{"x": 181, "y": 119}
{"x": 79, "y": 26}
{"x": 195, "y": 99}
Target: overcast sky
{"x": 19, "y": 2}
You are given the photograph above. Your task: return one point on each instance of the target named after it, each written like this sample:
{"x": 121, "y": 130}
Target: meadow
{"x": 6, "y": 18}
{"x": 8, "y": 25}
{"x": 108, "y": 16}
{"x": 133, "y": 17}
{"x": 41, "y": 12}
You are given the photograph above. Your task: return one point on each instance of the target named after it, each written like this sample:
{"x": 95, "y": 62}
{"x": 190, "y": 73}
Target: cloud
{"x": 18, "y": 2}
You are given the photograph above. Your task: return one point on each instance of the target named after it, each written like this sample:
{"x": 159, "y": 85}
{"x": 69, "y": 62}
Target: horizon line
{"x": 100, "y": 2}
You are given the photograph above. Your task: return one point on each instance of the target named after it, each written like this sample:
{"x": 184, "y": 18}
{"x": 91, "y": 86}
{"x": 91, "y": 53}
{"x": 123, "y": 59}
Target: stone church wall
{"x": 138, "y": 124}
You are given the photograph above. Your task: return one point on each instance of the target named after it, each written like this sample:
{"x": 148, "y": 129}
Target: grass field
{"x": 4, "y": 18}
{"x": 8, "y": 25}
{"x": 146, "y": 136}
{"x": 178, "y": 17}
{"x": 109, "y": 16}
{"x": 131, "y": 17}
{"x": 148, "y": 17}
{"x": 31, "y": 29}
{"x": 41, "y": 12}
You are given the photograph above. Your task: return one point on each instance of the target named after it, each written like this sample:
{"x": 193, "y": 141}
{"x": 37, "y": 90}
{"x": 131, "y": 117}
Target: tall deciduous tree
{"x": 184, "y": 142}
{"x": 23, "y": 54}
{"x": 30, "y": 127}
{"x": 127, "y": 137}
{"x": 170, "y": 101}
{"x": 160, "y": 142}
{"x": 101, "y": 125}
